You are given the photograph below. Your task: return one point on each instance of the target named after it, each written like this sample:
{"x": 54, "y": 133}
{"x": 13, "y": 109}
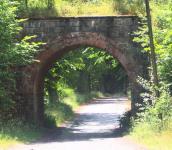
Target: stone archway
{"x": 33, "y": 83}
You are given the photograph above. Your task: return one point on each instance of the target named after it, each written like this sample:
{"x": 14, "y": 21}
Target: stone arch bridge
{"x": 113, "y": 34}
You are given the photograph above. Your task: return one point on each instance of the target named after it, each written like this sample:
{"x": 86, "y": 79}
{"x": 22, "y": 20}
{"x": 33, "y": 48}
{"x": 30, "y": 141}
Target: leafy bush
{"x": 52, "y": 8}
{"x": 13, "y": 54}
{"x": 57, "y": 113}
{"x": 153, "y": 124}
{"x": 156, "y": 111}
{"x": 63, "y": 110}
{"x": 126, "y": 121}
{"x": 14, "y": 131}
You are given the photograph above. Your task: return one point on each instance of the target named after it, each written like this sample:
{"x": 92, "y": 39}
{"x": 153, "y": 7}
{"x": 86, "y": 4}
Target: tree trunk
{"x": 152, "y": 47}
{"x": 50, "y": 4}
{"x": 83, "y": 82}
{"x": 53, "y": 95}
{"x": 26, "y": 3}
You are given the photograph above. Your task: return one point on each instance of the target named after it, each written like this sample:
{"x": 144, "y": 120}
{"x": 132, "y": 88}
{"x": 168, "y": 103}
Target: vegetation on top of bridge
{"x": 53, "y": 8}
{"x": 155, "y": 119}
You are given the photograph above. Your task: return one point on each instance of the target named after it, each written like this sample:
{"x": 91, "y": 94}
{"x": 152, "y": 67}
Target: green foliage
{"x": 126, "y": 7}
{"x": 163, "y": 39}
{"x": 57, "y": 113}
{"x": 156, "y": 111}
{"x": 151, "y": 139}
{"x": 52, "y": 8}
{"x": 13, "y": 53}
{"x": 85, "y": 70}
{"x": 9, "y": 25}
{"x": 141, "y": 35}
{"x": 126, "y": 121}
{"x": 152, "y": 126}
{"x": 162, "y": 30}
{"x": 16, "y": 131}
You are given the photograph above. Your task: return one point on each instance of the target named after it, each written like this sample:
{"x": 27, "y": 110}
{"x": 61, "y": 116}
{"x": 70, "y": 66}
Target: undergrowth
{"x": 58, "y": 112}
{"x": 40, "y": 8}
{"x": 152, "y": 139}
{"x": 153, "y": 125}
{"x": 17, "y": 131}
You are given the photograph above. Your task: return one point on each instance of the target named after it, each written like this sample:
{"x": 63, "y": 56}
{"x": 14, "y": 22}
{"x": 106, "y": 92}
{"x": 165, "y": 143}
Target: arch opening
{"x": 80, "y": 75}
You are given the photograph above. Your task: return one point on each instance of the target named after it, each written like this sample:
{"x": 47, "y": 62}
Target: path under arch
{"x": 95, "y": 127}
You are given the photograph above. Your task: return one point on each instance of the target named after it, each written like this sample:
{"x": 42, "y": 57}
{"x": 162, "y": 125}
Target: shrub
{"x": 14, "y": 131}
{"x": 156, "y": 112}
{"x": 57, "y": 113}
{"x": 63, "y": 110}
{"x": 13, "y": 54}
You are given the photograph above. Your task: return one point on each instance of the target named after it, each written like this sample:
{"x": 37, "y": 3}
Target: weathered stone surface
{"x": 113, "y": 34}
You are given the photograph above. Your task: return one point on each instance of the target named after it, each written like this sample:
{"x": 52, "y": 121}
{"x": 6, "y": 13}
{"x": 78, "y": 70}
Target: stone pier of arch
{"x": 113, "y": 34}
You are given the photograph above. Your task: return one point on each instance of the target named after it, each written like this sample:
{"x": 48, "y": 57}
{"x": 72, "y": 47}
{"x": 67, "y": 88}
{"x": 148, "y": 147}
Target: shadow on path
{"x": 57, "y": 135}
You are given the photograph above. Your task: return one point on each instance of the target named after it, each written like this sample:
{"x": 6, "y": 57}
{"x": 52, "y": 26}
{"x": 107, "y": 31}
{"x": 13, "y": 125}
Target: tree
{"x": 13, "y": 53}
{"x": 152, "y": 47}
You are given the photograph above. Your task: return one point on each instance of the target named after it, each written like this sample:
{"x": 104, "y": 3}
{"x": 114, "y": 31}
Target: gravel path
{"x": 95, "y": 127}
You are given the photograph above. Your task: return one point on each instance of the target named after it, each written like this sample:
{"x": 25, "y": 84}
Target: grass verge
{"x": 16, "y": 131}
{"x": 153, "y": 140}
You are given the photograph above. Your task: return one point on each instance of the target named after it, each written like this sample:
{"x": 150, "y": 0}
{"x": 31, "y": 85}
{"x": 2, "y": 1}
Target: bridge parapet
{"x": 111, "y": 26}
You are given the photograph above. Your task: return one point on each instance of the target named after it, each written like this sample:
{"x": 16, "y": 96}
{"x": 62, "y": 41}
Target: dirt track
{"x": 94, "y": 128}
